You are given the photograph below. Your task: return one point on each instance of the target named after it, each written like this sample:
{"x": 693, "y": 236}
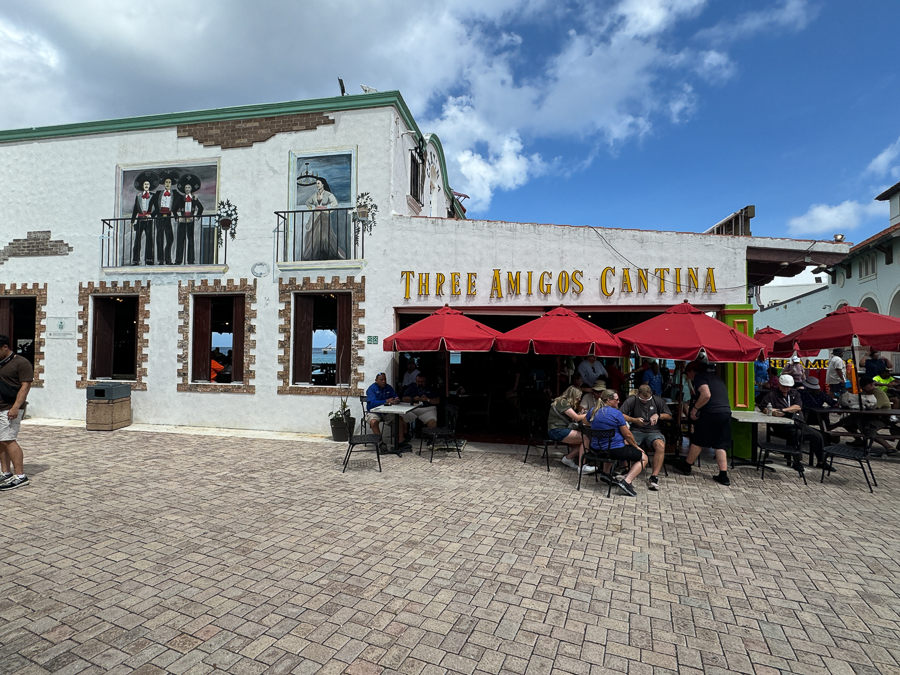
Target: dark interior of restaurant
{"x": 481, "y": 384}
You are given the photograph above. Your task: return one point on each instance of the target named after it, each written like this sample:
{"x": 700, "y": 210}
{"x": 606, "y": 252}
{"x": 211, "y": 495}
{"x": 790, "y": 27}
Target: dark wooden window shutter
{"x": 102, "y": 339}
{"x": 344, "y": 331}
{"x": 6, "y": 320}
{"x": 237, "y": 340}
{"x": 201, "y": 340}
{"x": 303, "y": 334}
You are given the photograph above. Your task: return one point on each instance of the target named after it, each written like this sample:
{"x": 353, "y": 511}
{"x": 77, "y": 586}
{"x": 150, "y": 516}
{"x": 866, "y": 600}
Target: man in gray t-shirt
{"x": 644, "y": 412}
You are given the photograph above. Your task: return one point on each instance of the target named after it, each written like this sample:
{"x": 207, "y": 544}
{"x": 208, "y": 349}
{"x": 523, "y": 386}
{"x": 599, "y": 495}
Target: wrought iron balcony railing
{"x": 321, "y": 234}
{"x": 162, "y": 241}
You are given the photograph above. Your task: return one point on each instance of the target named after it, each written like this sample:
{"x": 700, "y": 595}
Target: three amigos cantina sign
{"x": 611, "y": 281}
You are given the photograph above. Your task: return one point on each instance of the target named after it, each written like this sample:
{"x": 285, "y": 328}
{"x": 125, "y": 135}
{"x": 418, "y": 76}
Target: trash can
{"x": 108, "y": 406}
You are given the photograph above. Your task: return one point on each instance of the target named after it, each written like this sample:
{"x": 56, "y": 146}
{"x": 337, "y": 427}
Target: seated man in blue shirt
{"x": 380, "y": 393}
{"x": 422, "y": 393}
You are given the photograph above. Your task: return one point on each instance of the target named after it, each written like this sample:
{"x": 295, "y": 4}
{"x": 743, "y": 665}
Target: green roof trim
{"x": 318, "y": 105}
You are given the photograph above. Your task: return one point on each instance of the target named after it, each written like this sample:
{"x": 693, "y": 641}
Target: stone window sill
{"x": 167, "y": 269}
{"x": 354, "y": 265}
{"x": 213, "y": 388}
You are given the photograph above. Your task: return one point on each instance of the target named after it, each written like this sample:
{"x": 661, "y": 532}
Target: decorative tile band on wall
{"x": 286, "y": 289}
{"x": 39, "y": 293}
{"x": 139, "y": 288}
{"x": 244, "y": 133}
{"x": 185, "y": 291}
{"x": 35, "y": 244}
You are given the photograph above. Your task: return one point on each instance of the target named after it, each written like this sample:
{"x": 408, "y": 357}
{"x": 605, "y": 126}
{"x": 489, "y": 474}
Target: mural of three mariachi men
{"x": 154, "y": 211}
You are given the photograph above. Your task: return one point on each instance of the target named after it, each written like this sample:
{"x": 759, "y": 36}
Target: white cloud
{"x": 490, "y": 77}
{"x": 683, "y": 105}
{"x": 883, "y": 164}
{"x": 823, "y": 219}
{"x": 715, "y": 66}
{"x": 791, "y": 15}
{"x": 32, "y": 84}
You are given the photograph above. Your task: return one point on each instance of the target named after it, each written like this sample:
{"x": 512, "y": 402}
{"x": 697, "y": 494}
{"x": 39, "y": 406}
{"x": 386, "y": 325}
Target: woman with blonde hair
{"x": 564, "y": 412}
{"x": 606, "y": 415}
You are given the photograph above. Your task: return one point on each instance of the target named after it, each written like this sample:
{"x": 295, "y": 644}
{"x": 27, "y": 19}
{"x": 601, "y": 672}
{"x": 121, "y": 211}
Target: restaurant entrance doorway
{"x": 498, "y": 394}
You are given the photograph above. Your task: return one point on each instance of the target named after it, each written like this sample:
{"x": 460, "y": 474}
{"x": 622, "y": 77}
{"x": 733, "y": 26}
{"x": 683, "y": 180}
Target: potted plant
{"x": 341, "y": 421}
{"x": 227, "y": 219}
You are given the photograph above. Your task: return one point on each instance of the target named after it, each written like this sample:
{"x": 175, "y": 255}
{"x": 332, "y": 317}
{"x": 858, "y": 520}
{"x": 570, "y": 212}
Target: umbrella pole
{"x": 856, "y": 370}
{"x": 446, "y": 374}
{"x": 558, "y": 370}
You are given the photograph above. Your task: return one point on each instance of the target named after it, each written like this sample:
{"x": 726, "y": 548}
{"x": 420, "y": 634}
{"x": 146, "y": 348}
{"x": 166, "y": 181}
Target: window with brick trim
{"x": 325, "y": 313}
{"x": 217, "y": 334}
{"x": 17, "y": 322}
{"x": 114, "y": 339}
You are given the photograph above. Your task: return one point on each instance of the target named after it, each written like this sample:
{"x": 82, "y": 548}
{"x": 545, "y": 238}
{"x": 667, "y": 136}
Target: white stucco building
{"x": 868, "y": 277}
{"x": 98, "y": 288}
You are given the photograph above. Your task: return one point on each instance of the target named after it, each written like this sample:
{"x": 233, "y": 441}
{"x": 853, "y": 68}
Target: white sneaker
{"x": 569, "y": 463}
{"x": 587, "y": 470}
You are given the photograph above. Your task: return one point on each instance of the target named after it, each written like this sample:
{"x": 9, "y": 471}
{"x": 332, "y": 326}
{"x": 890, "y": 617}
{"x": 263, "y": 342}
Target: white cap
{"x": 786, "y": 381}
{"x": 795, "y": 358}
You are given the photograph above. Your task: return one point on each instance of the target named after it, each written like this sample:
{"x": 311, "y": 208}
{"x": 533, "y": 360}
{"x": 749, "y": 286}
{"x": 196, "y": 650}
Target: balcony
{"x": 162, "y": 243}
{"x": 303, "y": 238}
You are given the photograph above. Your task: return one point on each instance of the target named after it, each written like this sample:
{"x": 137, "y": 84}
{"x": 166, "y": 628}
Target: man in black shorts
{"x": 711, "y": 413}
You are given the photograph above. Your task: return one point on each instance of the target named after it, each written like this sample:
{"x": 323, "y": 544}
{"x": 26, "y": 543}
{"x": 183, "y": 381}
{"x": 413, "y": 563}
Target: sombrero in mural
{"x": 169, "y": 174}
{"x": 191, "y": 179}
{"x": 150, "y": 176}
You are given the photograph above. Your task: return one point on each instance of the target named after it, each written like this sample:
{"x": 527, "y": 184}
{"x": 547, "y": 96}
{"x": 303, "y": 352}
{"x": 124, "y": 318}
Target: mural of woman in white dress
{"x": 320, "y": 241}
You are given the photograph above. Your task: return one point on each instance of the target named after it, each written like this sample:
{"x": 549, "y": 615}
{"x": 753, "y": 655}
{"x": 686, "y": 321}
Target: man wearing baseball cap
{"x": 786, "y": 402}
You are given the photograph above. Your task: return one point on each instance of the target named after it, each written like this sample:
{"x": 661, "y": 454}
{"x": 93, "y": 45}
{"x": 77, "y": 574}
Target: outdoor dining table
{"x": 861, "y": 416}
{"x": 755, "y": 418}
{"x": 395, "y": 410}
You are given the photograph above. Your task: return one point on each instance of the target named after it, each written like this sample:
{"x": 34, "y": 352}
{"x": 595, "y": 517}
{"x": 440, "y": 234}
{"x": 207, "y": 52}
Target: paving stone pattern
{"x": 166, "y": 553}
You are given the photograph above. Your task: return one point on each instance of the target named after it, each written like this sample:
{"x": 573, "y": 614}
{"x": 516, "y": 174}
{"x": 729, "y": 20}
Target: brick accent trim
{"x": 243, "y": 133}
{"x": 185, "y": 291}
{"x": 35, "y": 244}
{"x": 286, "y": 289}
{"x": 39, "y": 293}
{"x": 85, "y": 291}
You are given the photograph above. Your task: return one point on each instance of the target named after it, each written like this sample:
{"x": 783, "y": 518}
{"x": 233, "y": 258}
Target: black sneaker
{"x": 14, "y": 482}
{"x": 653, "y": 483}
{"x": 604, "y": 478}
{"x": 681, "y": 466}
{"x": 626, "y": 487}
{"x": 724, "y": 480}
{"x": 5, "y": 476}
{"x": 828, "y": 467}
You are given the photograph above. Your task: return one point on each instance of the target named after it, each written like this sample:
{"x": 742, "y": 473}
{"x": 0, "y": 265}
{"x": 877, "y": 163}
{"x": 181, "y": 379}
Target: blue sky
{"x": 666, "y": 114}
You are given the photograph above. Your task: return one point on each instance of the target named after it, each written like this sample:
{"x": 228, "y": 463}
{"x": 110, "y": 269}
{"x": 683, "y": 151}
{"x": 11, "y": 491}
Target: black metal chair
{"x": 860, "y": 455}
{"x": 364, "y": 440}
{"x": 446, "y": 433}
{"x": 537, "y": 435}
{"x": 792, "y": 451}
{"x": 597, "y": 456}
{"x": 364, "y": 427}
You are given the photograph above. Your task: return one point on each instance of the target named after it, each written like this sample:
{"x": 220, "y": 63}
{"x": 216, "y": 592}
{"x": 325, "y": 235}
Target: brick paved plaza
{"x": 159, "y": 552}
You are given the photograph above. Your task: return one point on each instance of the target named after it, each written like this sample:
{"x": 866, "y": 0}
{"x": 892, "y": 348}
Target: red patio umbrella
{"x": 562, "y": 332}
{"x": 768, "y": 336}
{"x": 446, "y": 329}
{"x": 683, "y": 332}
{"x": 840, "y": 327}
